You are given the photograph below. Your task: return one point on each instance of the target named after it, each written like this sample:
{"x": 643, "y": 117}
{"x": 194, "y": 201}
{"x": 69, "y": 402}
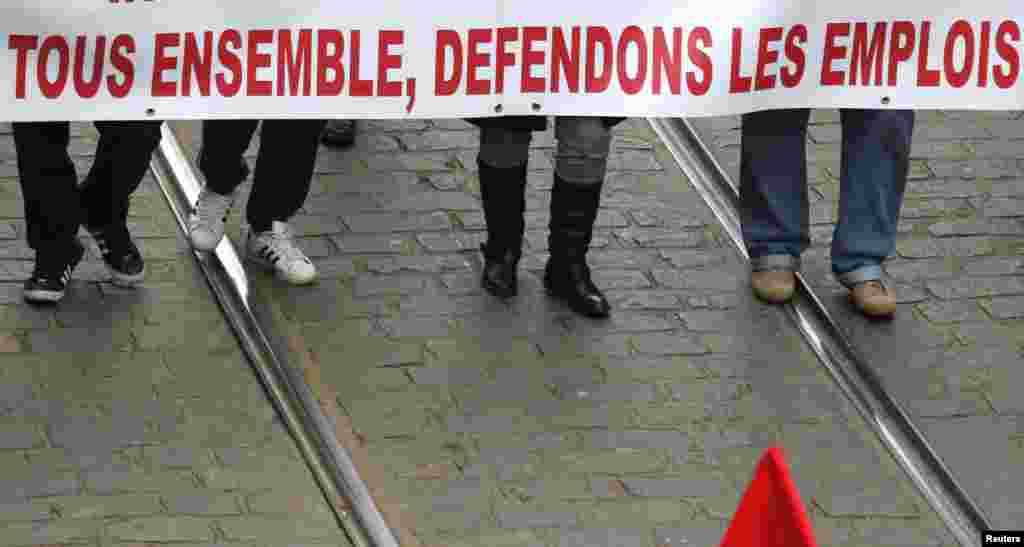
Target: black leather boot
{"x": 503, "y": 193}
{"x": 567, "y": 276}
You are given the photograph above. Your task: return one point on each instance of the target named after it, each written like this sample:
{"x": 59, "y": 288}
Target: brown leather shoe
{"x": 873, "y": 299}
{"x": 773, "y": 286}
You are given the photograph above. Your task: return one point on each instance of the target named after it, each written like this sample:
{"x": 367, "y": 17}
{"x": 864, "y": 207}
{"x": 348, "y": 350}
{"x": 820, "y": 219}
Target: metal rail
{"x": 251, "y": 319}
{"x": 850, "y": 370}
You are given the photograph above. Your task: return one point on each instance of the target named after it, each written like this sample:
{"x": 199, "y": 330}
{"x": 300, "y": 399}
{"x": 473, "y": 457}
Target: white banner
{"x": 200, "y": 59}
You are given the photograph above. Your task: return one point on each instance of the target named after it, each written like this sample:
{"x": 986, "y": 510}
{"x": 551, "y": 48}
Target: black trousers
{"x": 284, "y": 166}
{"x": 55, "y": 205}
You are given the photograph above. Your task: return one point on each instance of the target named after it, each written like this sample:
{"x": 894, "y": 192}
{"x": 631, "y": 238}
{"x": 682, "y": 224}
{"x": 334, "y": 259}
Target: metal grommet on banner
{"x": 885, "y": 100}
{"x": 536, "y": 107}
{"x": 150, "y": 112}
{"x": 498, "y": 108}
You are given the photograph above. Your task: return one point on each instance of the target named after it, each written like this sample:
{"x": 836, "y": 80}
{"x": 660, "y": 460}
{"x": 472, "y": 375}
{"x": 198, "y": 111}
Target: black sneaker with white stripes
{"x": 51, "y": 274}
{"x": 122, "y": 257}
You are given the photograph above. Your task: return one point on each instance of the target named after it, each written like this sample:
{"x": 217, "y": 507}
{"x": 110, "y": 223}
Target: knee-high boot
{"x": 503, "y": 192}
{"x": 567, "y": 276}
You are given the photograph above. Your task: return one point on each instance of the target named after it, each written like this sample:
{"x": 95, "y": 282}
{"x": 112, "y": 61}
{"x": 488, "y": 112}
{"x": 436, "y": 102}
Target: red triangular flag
{"x": 770, "y": 513}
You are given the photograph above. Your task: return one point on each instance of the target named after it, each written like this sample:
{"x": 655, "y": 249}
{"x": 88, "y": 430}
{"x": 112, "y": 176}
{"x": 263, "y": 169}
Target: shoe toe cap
{"x": 205, "y": 240}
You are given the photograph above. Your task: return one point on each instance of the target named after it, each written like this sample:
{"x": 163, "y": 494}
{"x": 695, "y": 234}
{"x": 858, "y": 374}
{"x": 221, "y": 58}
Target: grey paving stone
{"x": 638, "y": 440}
{"x": 458, "y": 494}
{"x": 960, "y": 246}
{"x": 697, "y": 279}
{"x": 707, "y": 321}
{"x": 674, "y": 488}
{"x": 24, "y": 511}
{"x": 621, "y": 322}
{"x": 40, "y": 484}
{"x": 481, "y": 424}
{"x": 446, "y": 376}
{"x": 643, "y": 300}
{"x": 718, "y": 399}
{"x": 605, "y": 393}
{"x": 661, "y": 238}
{"x": 668, "y": 344}
{"x": 178, "y": 456}
{"x": 974, "y": 287}
{"x": 990, "y": 227}
{"x": 1010, "y": 307}
{"x": 633, "y": 160}
{"x": 536, "y": 519}
{"x": 1003, "y": 207}
{"x": 704, "y": 533}
{"x": 447, "y": 140}
{"x": 898, "y": 536}
{"x": 620, "y": 279}
{"x": 380, "y": 244}
{"x": 605, "y": 537}
{"x": 202, "y": 504}
{"x": 979, "y": 168}
{"x": 444, "y": 243}
{"x": 951, "y": 312}
{"x": 994, "y": 266}
{"x": 932, "y": 208}
{"x": 393, "y": 284}
{"x": 434, "y": 201}
{"x": 713, "y": 302}
{"x": 377, "y": 223}
{"x": 695, "y": 259}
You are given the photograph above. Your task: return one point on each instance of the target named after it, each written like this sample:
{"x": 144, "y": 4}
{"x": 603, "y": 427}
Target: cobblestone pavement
{"x": 129, "y": 417}
{"x": 520, "y": 424}
{"x": 953, "y": 354}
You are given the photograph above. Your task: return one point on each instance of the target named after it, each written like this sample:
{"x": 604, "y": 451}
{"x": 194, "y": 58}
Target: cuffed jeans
{"x": 773, "y": 189}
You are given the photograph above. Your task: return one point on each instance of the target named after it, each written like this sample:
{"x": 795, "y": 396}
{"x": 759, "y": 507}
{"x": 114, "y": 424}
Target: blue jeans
{"x": 773, "y": 189}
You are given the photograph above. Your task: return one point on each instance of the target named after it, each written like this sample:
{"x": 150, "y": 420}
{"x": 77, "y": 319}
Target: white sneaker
{"x": 276, "y": 250}
{"x": 206, "y": 222}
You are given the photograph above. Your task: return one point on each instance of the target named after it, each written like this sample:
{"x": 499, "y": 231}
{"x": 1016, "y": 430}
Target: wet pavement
{"x": 481, "y": 422}
{"x": 130, "y": 417}
{"x": 953, "y": 355}
{"x": 519, "y": 423}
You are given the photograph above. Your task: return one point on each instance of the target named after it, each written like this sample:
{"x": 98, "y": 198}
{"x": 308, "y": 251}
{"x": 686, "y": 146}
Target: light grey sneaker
{"x": 276, "y": 250}
{"x": 206, "y": 223}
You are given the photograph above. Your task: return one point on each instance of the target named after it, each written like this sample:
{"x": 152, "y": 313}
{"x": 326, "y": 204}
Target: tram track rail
{"x": 850, "y": 369}
{"x": 332, "y": 466}
{"x": 251, "y": 318}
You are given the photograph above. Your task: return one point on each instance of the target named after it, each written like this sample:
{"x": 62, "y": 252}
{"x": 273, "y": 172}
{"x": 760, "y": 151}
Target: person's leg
{"x": 581, "y": 161}
{"x": 501, "y": 166}
{"x": 122, "y": 159}
{"x": 773, "y": 198}
{"x": 875, "y": 162}
{"x": 223, "y": 166}
{"x": 284, "y": 172}
{"x": 53, "y": 209}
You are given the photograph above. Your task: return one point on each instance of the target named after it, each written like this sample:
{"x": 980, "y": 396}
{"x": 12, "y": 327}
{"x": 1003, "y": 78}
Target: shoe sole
{"x": 567, "y": 302}
{"x": 43, "y": 297}
{"x": 204, "y": 248}
{"x": 40, "y": 296}
{"x": 774, "y": 297}
{"x": 271, "y": 268}
{"x": 887, "y": 313}
{"x": 125, "y": 280}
